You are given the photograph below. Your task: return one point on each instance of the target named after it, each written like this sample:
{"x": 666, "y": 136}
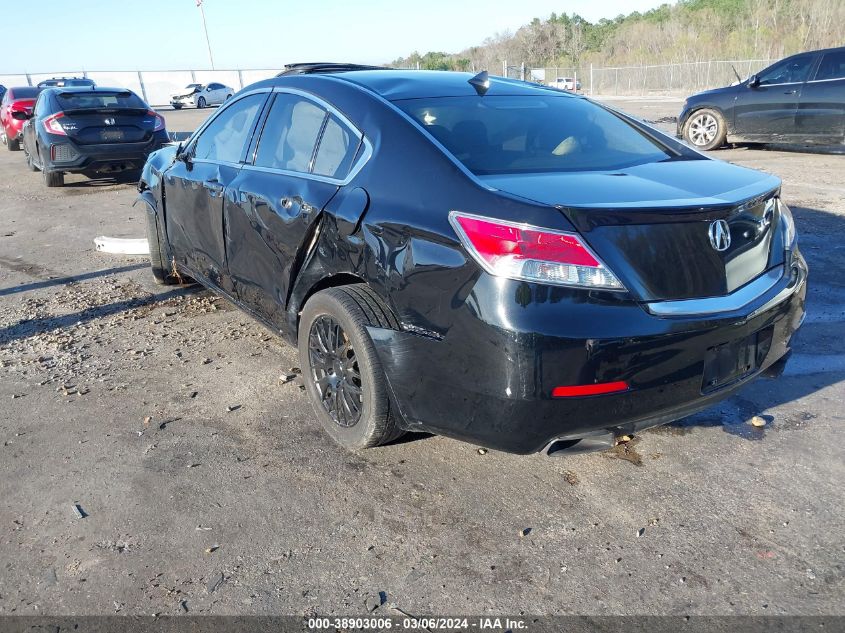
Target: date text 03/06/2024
{"x": 418, "y": 623}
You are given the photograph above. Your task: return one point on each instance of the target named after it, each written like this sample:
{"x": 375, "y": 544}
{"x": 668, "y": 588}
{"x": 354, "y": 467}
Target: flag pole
{"x": 205, "y": 28}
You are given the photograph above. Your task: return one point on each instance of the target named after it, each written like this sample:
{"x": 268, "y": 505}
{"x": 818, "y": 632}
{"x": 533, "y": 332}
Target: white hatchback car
{"x": 201, "y": 95}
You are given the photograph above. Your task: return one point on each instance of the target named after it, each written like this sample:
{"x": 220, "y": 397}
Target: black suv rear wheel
{"x": 342, "y": 372}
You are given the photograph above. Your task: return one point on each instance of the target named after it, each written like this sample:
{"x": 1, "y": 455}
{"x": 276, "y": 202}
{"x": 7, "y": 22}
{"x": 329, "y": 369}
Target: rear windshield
{"x": 25, "y": 93}
{"x": 529, "y": 134}
{"x": 98, "y": 100}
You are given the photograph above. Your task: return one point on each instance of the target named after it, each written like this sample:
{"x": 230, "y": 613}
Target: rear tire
{"x": 201, "y": 103}
{"x": 13, "y": 145}
{"x": 705, "y": 129}
{"x": 341, "y": 369}
{"x": 53, "y": 178}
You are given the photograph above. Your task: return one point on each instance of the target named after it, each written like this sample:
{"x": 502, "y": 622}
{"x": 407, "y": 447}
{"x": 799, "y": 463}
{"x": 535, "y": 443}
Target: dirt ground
{"x": 207, "y": 487}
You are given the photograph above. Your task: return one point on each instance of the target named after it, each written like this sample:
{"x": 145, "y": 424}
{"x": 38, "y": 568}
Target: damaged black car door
{"x": 198, "y": 185}
{"x": 302, "y": 157}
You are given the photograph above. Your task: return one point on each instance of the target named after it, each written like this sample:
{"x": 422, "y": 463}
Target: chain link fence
{"x": 660, "y": 79}
{"x": 156, "y": 87}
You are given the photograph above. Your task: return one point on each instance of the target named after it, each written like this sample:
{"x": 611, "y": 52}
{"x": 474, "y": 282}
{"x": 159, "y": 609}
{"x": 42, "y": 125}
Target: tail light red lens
{"x": 596, "y": 389}
{"x": 159, "y": 120}
{"x": 53, "y": 126}
{"x": 520, "y": 251}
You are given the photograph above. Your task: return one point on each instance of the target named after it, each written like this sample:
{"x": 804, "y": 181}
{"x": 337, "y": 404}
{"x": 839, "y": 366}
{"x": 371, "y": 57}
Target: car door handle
{"x": 790, "y": 92}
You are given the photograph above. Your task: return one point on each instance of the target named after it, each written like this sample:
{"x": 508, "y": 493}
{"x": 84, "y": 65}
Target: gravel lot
{"x": 209, "y": 488}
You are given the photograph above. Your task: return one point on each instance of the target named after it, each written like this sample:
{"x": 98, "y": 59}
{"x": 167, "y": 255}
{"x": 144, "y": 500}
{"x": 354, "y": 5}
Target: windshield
{"x": 529, "y": 134}
{"x": 99, "y": 100}
{"x": 25, "y": 93}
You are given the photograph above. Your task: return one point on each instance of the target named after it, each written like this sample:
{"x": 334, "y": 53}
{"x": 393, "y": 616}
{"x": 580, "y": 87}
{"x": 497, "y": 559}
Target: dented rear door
{"x": 302, "y": 158}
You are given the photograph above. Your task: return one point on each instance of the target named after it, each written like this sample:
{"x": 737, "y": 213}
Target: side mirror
{"x": 208, "y": 89}
{"x": 21, "y": 115}
{"x": 753, "y": 81}
{"x": 184, "y": 155}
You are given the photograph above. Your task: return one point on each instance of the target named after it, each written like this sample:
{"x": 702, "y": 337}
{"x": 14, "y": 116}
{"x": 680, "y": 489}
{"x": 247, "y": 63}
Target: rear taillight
{"x": 595, "y": 389}
{"x": 520, "y": 251}
{"x": 52, "y": 125}
{"x": 159, "y": 126}
{"x": 20, "y": 106}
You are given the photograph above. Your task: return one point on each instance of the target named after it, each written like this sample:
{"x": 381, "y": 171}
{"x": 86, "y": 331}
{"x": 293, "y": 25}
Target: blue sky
{"x": 167, "y": 34}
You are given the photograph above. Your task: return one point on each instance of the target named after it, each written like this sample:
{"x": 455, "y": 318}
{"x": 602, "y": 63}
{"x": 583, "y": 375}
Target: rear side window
{"x": 832, "y": 66}
{"x": 226, "y": 137}
{"x": 531, "y": 134}
{"x": 41, "y": 106}
{"x": 290, "y": 134}
{"x": 338, "y": 146}
{"x": 98, "y": 100}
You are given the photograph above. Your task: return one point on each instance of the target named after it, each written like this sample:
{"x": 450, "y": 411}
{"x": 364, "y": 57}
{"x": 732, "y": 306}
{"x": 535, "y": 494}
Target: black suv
{"x": 800, "y": 100}
{"x": 93, "y": 131}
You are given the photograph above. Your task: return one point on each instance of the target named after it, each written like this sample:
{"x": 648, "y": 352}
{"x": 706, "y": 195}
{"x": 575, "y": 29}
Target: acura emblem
{"x": 720, "y": 235}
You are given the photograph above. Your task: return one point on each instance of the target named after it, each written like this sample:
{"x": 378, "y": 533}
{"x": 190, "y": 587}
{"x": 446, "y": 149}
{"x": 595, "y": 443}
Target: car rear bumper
{"x": 67, "y": 156}
{"x": 490, "y": 378}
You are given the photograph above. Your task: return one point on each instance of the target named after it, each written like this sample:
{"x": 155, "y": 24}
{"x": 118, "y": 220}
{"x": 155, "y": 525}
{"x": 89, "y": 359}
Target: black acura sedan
{"x": 481, "y": 258}
{"x": 798, "y": 100}
{"x": 90, "y": 130}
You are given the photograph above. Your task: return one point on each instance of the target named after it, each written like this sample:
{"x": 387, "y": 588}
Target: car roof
{"x": 309, "y": 68}
{"x": 86, "y": 89}
{"x": 394, "y": 85}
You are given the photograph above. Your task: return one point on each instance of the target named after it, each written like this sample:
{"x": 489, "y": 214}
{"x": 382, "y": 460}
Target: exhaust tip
{"x": 590, "y": 444}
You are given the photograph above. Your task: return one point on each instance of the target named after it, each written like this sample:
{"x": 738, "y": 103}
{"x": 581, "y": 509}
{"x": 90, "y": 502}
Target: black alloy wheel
{"x": 342, "y": 372}
{"x": 334, "y": 369}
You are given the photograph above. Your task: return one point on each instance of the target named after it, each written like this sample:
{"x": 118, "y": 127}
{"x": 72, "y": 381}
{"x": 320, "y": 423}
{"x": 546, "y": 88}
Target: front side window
{"x": 290, "y": 134}
{"x": 789, "y": 71}
{"x": 226, "y": 137}
{"x": 529, "y": 134}
{"x": 832, "y": 66}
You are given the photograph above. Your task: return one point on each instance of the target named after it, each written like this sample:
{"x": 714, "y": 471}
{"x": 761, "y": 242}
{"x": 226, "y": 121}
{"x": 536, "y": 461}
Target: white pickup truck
{"x": 565, "y": 83}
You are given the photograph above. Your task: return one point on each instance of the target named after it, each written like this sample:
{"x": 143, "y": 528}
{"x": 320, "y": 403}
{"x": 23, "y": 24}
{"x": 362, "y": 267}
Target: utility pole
{"x": 205, "y": 28}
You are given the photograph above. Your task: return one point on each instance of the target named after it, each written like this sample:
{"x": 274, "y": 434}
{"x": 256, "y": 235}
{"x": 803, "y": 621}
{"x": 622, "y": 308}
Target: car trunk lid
{"x": 109, "y": 125}
{"x": 97, "y": 117}
{"x": 656, "y": 224}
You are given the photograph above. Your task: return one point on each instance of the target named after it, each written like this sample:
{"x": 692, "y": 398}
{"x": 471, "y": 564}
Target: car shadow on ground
{"x": 128, "y": 178}
{"x": 61, "y": 281}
